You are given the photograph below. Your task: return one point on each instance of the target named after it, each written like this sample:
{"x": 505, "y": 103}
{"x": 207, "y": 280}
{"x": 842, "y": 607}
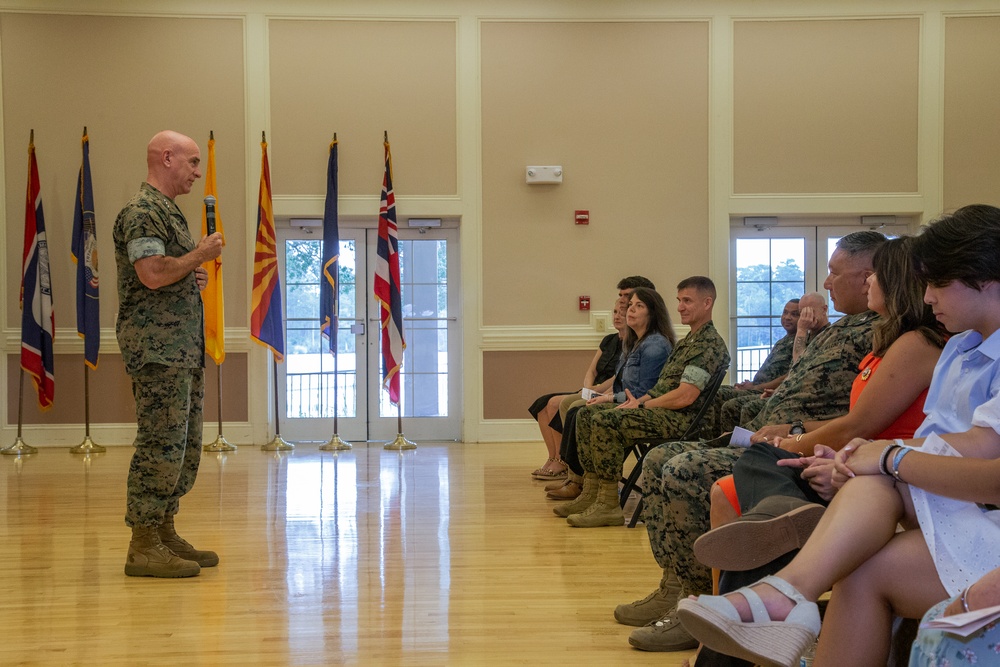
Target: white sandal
{"x": 714, "y": 621}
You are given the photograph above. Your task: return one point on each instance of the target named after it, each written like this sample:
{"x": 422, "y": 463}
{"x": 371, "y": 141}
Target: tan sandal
{"x": 544, "y": 474}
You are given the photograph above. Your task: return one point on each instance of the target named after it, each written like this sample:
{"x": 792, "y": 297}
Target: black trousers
{"x": 758, "y": 476}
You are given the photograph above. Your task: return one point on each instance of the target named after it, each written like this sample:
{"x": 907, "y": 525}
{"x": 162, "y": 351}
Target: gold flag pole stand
{"x": 279, "y": 444}
{"x": 336, "y": 443}
{"x": 400, "y": 443}
{"x": 20, "y": 447}
{"x": 88, "y": 446}
{"x": 220, "y": 444}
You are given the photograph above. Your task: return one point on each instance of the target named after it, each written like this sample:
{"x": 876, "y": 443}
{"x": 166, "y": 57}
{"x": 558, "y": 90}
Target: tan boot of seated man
{"x": 654, "y": 606}
{"x": 147, "y": 557}
{"x": 666, "y": 634}
{"x": 181, "y": 547}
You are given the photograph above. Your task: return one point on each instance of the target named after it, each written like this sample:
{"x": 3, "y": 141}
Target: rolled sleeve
{"x": 145, "y": 247}
{"x": 696, "y": 376}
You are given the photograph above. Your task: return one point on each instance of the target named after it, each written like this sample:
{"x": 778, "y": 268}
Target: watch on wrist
{"x": 797, "y": 428}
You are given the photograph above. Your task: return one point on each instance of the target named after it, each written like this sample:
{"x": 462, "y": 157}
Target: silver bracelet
{"x": 965, "y": 599}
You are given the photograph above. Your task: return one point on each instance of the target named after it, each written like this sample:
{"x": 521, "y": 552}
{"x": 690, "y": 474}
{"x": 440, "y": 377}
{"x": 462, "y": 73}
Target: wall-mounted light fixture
{"x": 760, "y": 223}
{"x": 877, "y": 221}
{"x": 540, "y": 175}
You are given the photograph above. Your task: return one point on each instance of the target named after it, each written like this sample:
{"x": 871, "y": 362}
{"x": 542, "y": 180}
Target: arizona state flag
{"x": 265, "y": 298}
{"x": 387, "y": 285}
{"x": 88, "y": 301}
{"x": 331, "y": 253}
{"x": 211, "y": 296}
{"x": 38, "y": 320}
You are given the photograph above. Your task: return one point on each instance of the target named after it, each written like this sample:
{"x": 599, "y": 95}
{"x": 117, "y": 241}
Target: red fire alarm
{"x": 582, "y": 217}
{"x": 584, "y": 303}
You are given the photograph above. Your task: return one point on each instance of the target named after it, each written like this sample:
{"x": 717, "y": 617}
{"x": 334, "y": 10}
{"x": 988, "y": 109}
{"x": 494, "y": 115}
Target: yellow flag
{"x": 215, "y": 327}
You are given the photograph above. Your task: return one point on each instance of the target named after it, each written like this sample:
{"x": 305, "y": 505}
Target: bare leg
{"x": 549, "y": 435}
{"x": 859, "y": 522}
{"x": 722, "y": 511}
{"x": 899, "y": 580}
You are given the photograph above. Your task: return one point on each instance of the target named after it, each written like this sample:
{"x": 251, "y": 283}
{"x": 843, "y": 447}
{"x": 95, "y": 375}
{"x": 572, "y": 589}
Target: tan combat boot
{"x": 181, "y": 547}
{"x": 603, "y": 512}
{"x": 654, "y": 606}
{"x": 583, "y": 501}
{"x": 147, "y": 557}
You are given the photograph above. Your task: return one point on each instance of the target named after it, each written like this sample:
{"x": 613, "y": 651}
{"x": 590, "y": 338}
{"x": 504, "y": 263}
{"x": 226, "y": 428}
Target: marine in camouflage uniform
{"x": 603, "y": 431}
{"x": 775, "y": 365}
{"x": 679, "y": 476}
{"x": 161, "y": 336}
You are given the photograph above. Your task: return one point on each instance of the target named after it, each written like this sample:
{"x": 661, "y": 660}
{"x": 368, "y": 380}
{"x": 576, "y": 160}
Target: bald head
{"x": 172, "y": 160}
{"x": 812, "y": 300}
{"x": 813, "y": 303}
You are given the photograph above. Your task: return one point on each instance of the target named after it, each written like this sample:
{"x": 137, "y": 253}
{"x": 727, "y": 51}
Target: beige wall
{"x": 972, "y": 111}
{"x": 826, "y": 106}
{"x": 359, "y": 79}
{"x": 668, "y": 123}
{"x": 623, "y": 107}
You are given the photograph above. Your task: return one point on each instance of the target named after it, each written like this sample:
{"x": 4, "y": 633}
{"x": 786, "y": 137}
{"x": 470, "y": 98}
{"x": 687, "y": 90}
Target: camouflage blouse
{"x": 165, "y": 325}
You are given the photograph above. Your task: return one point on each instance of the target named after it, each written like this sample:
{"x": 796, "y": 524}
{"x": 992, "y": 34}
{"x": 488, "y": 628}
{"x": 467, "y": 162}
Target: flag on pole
{"x": 265, "y": 299}
{"x": 331, "y": 253}
{"x": 88, "y": 311}
{"x": 387, "y": 287}
{"x": 215, "y": 321}
{"x": 38, "y": 321}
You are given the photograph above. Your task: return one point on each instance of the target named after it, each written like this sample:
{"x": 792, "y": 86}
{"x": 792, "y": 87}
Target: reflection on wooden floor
{"x": 445, "y": 555}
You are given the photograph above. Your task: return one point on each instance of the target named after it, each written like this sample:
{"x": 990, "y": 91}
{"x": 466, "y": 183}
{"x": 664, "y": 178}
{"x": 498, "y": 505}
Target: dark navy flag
{"x": 331, "y": 253}
{"x": 88, "y": 315}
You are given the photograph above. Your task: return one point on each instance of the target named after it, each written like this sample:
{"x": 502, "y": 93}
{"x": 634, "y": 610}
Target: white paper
{"x": 740, "y": 437}
{"x": 965, "y": 624}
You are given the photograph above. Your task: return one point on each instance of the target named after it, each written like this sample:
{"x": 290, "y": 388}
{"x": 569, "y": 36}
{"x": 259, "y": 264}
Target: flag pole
{"x": 88, "y": 446}
{"x": 335, "y": 443}
{"x": 19, "y": 447}
{"x": 279, "y": 444}
{"x": 400, "y": 443}
{"x": 220, "y": 444}
{"x": 84, "y": 230}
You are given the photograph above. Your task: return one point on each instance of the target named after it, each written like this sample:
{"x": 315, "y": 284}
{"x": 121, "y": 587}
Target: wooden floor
{"x": 447, "y": 555}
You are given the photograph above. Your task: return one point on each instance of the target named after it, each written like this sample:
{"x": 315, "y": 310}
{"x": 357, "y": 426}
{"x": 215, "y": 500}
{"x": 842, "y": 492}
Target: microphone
{"x": 210, "y": 214}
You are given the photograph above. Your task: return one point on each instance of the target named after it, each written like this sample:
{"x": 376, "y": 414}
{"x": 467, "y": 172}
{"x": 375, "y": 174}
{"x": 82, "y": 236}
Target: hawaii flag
{"x": 38, "y": 321}
{"x": 265, "y": 299}
{"x": 387, "y": 289}
{"x": 215, "y": 321}
{"x": 88, "y": 302}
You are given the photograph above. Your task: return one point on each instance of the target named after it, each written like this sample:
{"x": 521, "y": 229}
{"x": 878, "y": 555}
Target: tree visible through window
{"x": 769, "y": 272}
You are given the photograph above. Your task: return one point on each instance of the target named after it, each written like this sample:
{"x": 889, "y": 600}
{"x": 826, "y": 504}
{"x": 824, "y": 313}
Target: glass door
{"x": 316, "y": 382}
{"x": 429, "y": 382}
{"x": 309, "y": 372}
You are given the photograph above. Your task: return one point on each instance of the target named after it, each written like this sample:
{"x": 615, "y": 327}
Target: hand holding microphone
{"x": 212, "y": 243}
{"x": 210, "y": 214}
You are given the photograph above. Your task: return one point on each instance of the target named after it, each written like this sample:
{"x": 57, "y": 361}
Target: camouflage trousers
{"x": 677, "y": 480}
{"x": 168, "y": 408}
{"x": 741, "y": 410}
{"x": 729, "y": 418}
{"x": 604, "y": 432}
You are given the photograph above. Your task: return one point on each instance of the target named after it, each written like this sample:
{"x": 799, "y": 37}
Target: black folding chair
{"x": 639, "y": 447}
